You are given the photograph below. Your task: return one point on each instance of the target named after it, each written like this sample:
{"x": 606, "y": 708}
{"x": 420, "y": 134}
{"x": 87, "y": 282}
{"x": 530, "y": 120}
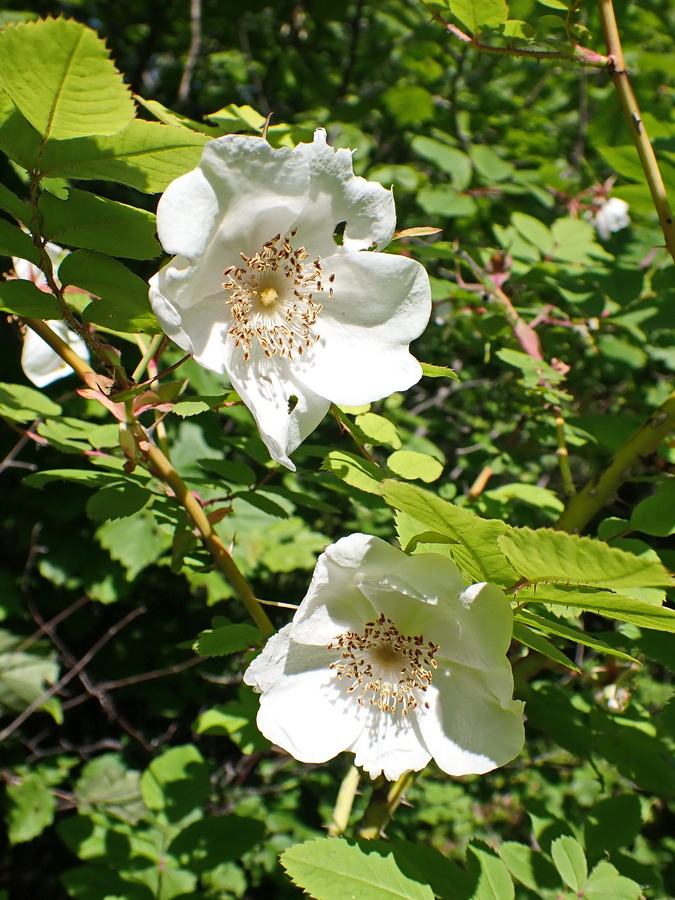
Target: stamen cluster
{"x": 393, "y": 668}
{"x": 271, "y": 298}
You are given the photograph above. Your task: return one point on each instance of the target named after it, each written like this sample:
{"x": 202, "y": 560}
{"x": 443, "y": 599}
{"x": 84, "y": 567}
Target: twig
{"x": 193, "y": 52}
{"x": 631, "y": 111}
{"x": 643, "y": 442}
{"x": 577, "y": 53}
{"x": 62, "y": 682}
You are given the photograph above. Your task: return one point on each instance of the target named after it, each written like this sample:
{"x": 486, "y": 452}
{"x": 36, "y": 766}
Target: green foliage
{"x": 58, "y": 74}
{"x": 550, "y": 344}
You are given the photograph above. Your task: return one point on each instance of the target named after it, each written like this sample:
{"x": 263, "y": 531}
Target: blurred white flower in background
{"x": 260, "y": 288}
{"x": 393, "y": 658}
{"x": 610, "y": 216}
{"x": 40, "y": 363}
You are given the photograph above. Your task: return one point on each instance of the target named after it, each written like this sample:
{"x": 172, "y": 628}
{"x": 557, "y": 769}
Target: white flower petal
{"x": 381, "y": 304}
{"x": 40, "y": 363}
{"x": 389, "y": 746}
{"x": 268, "y": 387}
{"x": 472, "y": 724}
{"x": 334, "y": 602}
{"x": 304, "y": 707}
{"x": 461, "y": 714}
{"x": 337, "y": 196}
{"x": 252, "y": 233}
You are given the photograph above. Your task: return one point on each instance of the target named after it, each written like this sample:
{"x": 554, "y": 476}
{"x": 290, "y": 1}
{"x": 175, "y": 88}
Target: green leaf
{"x": 227, "y": 639}
{"x": 109, "y": 786}
{"x": 615, "y": 606}
{"x": 88, "y": 221}
{"x": 23, "y": 676}
{"x": 547, "y": 555}
{"x": 102, "y": 883}
{"x": 30, "y": 809}
{"x": 574, "y": 241}
{"x": 14, "y": 206}
{"x": 478, "y": 15}
{"x": 494, "y": 880}
{"x": 444, "y": 200}
{"x": 528, "y": 866}
{"x": 354, "y": 470}
{"x": 23, "y": 404}
{"x": 136, "y": 541}
{"x": 237, "y": 720}
{"x": 176, "y": 782}
{"x": 453, "y": 162}
{"x": 208, "y": 843}
{"x": 333, "y": 869}
{"x": 15, "y": 242}
{"x": 488, "y": 164}
{"x": 24, "y": 298}
{"x": 542, "y": 645}
{"x": 605, "y": 883}
{"x": 656, "y": 514}
{"x": 90, "y": 477}
{"x": 432, "y": 371}
{"x": 237, "y": 118}
{"x": 378, "y": 430}
{"x": 124, "y": 304}
{"x": 473, "y": 540}
{"x": 412, "y": 466}
{"x": 147, "y": 156}
{"x": 533, "y": 231}
{"x": 117, "y": 501}
{"x": 426, "y": 865}
{"x": 549, "y": 626}
{"x": 613, "y": 822}
{"x": 18, "y": 139}
{"x": 58, "y": 74}
{"x": 570, "y": 861}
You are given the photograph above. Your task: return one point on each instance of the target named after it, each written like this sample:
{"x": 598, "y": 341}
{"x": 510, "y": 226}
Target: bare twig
{"x": 193, "y": 52}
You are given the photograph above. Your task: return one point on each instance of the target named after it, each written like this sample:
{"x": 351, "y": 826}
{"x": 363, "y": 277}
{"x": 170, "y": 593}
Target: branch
{"x": 631, "y": 111}
{"x": 642, "y": 443}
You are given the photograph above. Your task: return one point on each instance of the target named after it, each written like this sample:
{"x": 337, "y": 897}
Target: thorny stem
{"x": 222, "y": 558}
{"x": 641, "y": 444}
{"x": 168, "y": 474}
{"x": 58, "y": 345}
{"x": 344, "y": 803}
{"x": 631, "y": 111}
{"x": 383, "y": 804}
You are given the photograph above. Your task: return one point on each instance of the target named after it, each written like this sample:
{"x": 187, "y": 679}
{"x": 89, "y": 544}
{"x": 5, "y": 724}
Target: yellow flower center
{"x": 271, "y": 298}
{"x": 389, "y": 669}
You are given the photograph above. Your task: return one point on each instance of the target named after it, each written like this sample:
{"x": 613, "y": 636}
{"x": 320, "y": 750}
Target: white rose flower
{"x": 40, "y": 363}
{"x": 611, "y": 216}
{"x": 393, "y": 658}
{"x": 259, "y": 288}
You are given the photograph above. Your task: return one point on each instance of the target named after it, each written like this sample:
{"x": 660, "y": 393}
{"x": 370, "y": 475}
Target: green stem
{"x": 148, "y": 354}
{"x": 170, "y": 476}
{"x": 383, "y": 804}
{"x": 215, "y": 546}
{"x": 344, "y": 803}
{"x": 631, "y": 111}
{"x": 564, "y": 458}
{"x": 641, "y": 444}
